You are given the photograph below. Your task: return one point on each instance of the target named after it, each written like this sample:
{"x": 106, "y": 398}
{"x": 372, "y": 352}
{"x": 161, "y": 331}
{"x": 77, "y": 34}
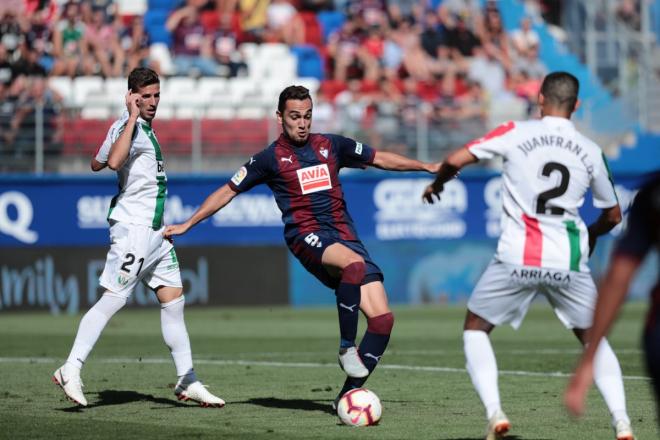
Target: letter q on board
{"x": 18, "y": 227}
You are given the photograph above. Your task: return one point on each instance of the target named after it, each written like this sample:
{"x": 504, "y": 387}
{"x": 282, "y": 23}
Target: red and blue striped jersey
{"x": 305, "y": 182}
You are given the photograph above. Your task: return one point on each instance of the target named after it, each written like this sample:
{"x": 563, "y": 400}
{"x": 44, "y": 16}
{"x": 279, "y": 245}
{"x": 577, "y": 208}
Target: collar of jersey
{"x": 557, "y": 120}
{"x": 283, "y": 140}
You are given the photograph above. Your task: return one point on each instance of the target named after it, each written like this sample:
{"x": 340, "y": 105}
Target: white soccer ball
{"x": 359, "y": 407}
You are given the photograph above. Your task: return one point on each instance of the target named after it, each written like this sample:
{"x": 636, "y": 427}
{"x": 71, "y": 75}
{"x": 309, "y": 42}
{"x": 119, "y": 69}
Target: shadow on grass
{"x": 508, "y": 437}
{"x": 301, "y": 404}
{"x": 114, "y": 397}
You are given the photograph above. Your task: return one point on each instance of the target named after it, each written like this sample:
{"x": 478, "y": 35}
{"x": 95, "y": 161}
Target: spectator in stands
{"x": 523, "y": 38}
{"x": 351, "y": 108}
{"x": 461, "y": 38}
{"x": 399, "y": 9}
{"x": 628, "y": 12}
{"x": 493, "y": 37}
{"x": 40, "y": 37}
{"x": 432, "y": 36}
{"x": 351, "y": 59}
{"x": 6, "y": 71}
{"x": 488, "y": 72}
{"x": 253, "y": 19}
{"x": 229, "y": 60}
{"x": 466, "y": 11}
{"x": 134, "y": 42}
{"x": 35, "y": 97}
{"x": 28, "y": 64}
{"x": 283, "y": 23}
{"x": 531, "y": 65}
{"x": 193, "y": 54}
{"x": 11, "y": 31}
{"x": 372, "y": 13}
{"x": 69, "y": 46}
{"x": 102, "y": 39}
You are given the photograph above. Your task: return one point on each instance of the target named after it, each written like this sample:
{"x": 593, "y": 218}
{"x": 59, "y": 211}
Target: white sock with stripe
{"x": 482, "y": 367}
{"x": 91, "y": 326}
{"x": 609, "y": 380}
{"x": 176, "y": 337}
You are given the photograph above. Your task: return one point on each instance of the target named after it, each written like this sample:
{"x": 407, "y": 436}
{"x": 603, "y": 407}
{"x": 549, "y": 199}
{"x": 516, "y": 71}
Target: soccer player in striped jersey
{"x": 641, "y": 236}
{"x": 138, "y": 250}
{"x": 302, "y": 170}
{"x": 544, "y": 246}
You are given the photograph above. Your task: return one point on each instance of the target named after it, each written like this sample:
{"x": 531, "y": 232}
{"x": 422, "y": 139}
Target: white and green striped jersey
{"x": 548, "y": 168}
{"x": 142, "y": 179}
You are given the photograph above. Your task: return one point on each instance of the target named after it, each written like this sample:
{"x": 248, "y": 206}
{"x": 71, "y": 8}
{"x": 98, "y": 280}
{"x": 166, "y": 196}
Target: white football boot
{"x": 623, "y": 430}
{"x": 498, "y": 426}
{"x": 350, "y": 362}
{"x": 69, "y": 380}
{"x": 197, "y": 392}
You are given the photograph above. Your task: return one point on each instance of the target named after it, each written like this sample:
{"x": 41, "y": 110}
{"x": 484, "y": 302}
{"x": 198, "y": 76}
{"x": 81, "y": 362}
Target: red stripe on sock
{"x": 533, "y": 242}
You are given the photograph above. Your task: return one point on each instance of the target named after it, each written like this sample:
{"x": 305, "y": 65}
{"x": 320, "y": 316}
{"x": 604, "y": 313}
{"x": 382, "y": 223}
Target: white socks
{"x": 482, "y": 367}
{"x": 91, "y": 326}
{"x": 607, "y": 376}
{"x": 176, "y": 337}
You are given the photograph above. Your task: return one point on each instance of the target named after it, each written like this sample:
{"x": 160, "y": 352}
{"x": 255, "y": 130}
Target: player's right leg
{"x": 651, "y": 344}
{"x": 496, "y": 300}
{"x": 120, "y": 274}
{"x": 351, "y": 269}
{"x": 380, "y": 321}
{"x": 89, "y": 331}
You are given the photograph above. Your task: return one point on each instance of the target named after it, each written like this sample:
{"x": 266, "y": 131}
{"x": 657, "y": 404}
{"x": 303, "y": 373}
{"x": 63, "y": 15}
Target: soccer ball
{"x": 359, "y": 407}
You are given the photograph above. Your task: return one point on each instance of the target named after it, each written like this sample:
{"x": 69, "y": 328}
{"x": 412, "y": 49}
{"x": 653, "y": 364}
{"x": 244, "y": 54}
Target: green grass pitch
{"x": 276, "y": 368}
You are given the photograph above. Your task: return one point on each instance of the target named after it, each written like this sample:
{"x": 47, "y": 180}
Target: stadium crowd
{"x": 384, "y": 63}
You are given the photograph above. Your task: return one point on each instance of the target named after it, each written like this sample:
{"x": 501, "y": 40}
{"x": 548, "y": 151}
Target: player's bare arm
{"x": 96, "y": 165}
{"x": 612, "y": 294}
{"x": 121, "y": 147}
{"x": 608, "y": 219}
{"x": 386, "y": 160}
{"x": 448, "y": 169}
{"x": 213, "y": 203}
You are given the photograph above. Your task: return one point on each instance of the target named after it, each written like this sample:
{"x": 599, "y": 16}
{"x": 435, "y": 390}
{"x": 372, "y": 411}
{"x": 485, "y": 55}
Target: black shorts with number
{"x": 308, "y": 249}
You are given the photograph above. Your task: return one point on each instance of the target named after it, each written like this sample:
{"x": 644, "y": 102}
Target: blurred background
{"x": 419, "y": 77}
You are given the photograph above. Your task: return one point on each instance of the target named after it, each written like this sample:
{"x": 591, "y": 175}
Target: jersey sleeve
{"x": 352, "y": 154}
{"x": 255, "y": 171}
{"x": 113, "y": 134}
{"x": 602, "y": 185}
{"x": 494, "y": 143}
{"x": 636, "y": 240}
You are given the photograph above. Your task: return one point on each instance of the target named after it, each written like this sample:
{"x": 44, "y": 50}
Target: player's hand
{"x": 433, "y": 189}
{"x": 133, "y": 101}
{"x": 433, "y": 167}
{"x": 172, "y": 230}
{"x": 577, "y": 389}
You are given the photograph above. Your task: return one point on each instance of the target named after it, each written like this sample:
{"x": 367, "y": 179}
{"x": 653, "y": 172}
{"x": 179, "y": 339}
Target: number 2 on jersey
{"x": 558, "y": 191}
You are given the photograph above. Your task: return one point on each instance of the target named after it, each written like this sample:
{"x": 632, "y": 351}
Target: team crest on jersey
{"x": 358, "y": 148}
{"x": 239, "y": 176}
{"x": 324, "y": 152}
{"x": 313, "y": 179}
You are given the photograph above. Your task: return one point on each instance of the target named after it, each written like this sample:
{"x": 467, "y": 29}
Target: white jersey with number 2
{"x": 548, "y": 168}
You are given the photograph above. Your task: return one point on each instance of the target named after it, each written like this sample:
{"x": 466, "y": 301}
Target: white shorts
{"x": 505, "y": 291}
{"x": 138, "y": 253}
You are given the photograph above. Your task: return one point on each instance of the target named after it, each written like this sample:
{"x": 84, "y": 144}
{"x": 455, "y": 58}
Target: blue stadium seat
{"x": 310, "y": 62}
{"x": 331, "y": 21}
{"x": 154, "y": 24}
{"x": 165, "y": 5}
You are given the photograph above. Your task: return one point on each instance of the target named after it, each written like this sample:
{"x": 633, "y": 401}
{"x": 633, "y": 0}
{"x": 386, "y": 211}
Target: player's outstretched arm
{"x": 389, "y": 161}
{"x": 449, "y": 168}
{"x": 213, "y": 203}
{"x": 611, "y": 295}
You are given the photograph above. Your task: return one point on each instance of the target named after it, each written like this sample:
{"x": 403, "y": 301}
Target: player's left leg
{"x": 165, "y": 279}
{"x": 380, "y": 321}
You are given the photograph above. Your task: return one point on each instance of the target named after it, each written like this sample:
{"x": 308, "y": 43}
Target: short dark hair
{"x": 298, "y": 93}
{"x": 560, "y": 89}
{"x": 142, "y": 77}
